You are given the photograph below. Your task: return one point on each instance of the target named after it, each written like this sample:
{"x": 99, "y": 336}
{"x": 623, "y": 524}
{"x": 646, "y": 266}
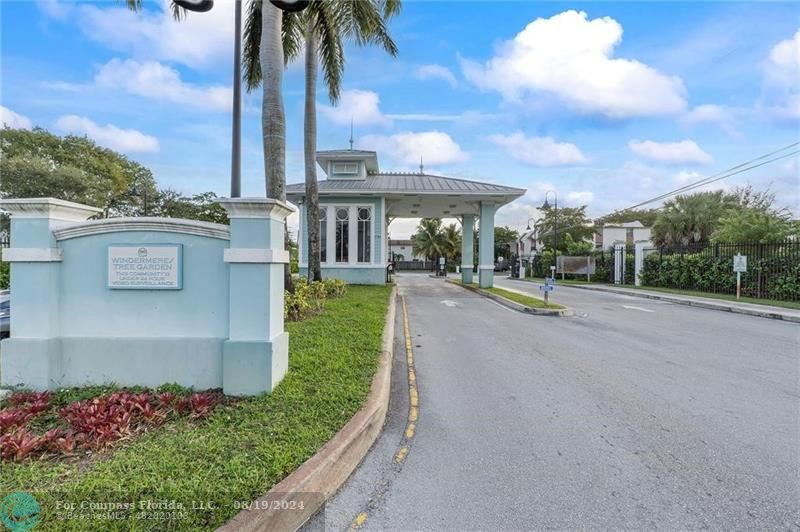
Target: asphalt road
{"x": 634, "y": 414}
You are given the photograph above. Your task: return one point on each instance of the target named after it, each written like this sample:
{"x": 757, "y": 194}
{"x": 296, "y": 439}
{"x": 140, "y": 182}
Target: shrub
{"x": 308, "y": 299}
{"x": 91, "y": 423}
{"x": 775, "y": 277}
{"x": 5, "y": 274}
{"x": 335, "y": 287}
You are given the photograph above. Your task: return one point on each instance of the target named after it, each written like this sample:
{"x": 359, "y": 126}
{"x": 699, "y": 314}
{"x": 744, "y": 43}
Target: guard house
{"x": 358, "y": 202}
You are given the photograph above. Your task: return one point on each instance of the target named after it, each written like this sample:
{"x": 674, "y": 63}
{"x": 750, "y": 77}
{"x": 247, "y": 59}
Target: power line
{"x": 734, "y": 170}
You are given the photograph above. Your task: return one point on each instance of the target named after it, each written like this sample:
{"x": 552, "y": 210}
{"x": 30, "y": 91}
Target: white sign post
{"x": 739, "y": 266}
{"x": 145, "y": 267}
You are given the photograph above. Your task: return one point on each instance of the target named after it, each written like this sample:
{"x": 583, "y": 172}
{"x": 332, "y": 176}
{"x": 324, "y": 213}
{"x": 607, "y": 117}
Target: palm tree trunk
{"x": 310, "y": 145}
{"x": 273, "y": 120}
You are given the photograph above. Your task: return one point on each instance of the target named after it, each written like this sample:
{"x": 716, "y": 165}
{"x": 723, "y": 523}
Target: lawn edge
{"x": 562, "y": 312}
{"x": 769, "y": 312}
{"x": 331, "y": 466}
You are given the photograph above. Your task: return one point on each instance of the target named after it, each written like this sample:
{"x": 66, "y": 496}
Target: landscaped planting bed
{"x": 149, "y": 461}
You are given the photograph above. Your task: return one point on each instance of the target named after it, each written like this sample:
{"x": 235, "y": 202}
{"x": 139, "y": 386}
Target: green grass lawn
{"x": 528, "y": 301}
{"x": 242, "y": 449}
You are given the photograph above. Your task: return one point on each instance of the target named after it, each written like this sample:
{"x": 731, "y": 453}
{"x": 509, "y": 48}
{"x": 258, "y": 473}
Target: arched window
{"x": 364, "y": 234}
{"x": 323, "y": 234}
{"x": 342, "y": 235}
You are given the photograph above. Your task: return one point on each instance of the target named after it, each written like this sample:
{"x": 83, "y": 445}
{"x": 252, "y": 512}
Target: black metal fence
{"x": 773, "y": 268}
{"x": 414, "y": 265}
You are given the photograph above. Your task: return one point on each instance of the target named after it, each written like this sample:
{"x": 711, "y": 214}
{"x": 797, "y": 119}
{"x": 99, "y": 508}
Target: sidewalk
{"x": 751, "y": 309}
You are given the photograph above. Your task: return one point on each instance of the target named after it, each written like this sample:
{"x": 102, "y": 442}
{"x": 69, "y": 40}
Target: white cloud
{"x": 571, "y": 57}
{"x": 110, "y": 136}
{"x": 200, "y": 40}
{"x": 685, "y": 177}
{"x": 435, "y": 147}
{"x": 580, "y": 197}
{"x": 54, "y": 8}
{"x": 681, "y": 152}
{"x": 14, "y": 120}
{"x": 436, "y": 72}
{"x": 539, "y": 151}
{"x": 151, "y": 79}
{"x": 782, "y": 78}
{"x": 359, "y": 106}
{"x": 783, "y": 64}
{"x": 713, "y": 114}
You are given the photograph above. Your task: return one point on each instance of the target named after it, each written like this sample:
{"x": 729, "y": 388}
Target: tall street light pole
{"x": 201, "y": 6}
{"x": 546, "y": 206}
{"x": 236, "y": 126}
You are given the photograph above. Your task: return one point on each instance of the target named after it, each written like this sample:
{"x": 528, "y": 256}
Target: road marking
{"x": 358, "y": 521}
{"x": 501, "y": 306}
{"x": 448, "y": 303}
{"x": 413, "y": 414}
{"x": 637, "y": 308}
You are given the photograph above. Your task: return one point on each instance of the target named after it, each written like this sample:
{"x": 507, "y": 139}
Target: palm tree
{"x": 323, "y": 26}
{"x": 451, "y": 238}
{"x": 690, "y": 218}
{"x": 428, "y": 241}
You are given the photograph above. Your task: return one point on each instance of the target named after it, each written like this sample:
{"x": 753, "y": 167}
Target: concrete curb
{"x": 294, "y": 500}
{"x": 564, "y": 312}
{"x": 722, "y": 306}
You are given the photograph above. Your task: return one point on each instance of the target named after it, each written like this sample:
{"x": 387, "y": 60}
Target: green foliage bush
{"x": 772, "y": 277}
{"x": 335, "y": 287}
{"x": 5, "y": 275}
{"x": 308, "y": 299}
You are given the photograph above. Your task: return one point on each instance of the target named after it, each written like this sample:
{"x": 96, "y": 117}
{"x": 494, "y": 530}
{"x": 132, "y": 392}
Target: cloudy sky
{"x": 607, "y": 103}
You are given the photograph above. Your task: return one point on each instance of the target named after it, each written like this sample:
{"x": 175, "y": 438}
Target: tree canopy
{"x": 554, "y": 226}
{"x": 745, "y": 214}
{"x": 433, "y": 240}
{"x": 38, "y": 164}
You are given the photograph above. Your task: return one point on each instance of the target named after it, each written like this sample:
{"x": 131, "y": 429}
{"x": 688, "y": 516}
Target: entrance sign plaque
{"x": 145, "y": 266}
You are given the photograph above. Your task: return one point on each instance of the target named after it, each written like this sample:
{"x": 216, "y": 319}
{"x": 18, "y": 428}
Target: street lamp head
{"x": 291, "y": 6}
{"x": 545, "y": 205}
{"x": 198, "y": 6}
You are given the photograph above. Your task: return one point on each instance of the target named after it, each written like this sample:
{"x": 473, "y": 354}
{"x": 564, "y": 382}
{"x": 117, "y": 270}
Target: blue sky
{"x": 607, "y": 103}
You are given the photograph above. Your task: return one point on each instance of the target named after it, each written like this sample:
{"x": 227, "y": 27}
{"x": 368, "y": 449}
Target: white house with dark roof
{"x": 357, "y": 203}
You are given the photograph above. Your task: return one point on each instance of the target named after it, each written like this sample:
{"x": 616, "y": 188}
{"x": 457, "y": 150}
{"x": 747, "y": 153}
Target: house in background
{"x": 622, "y": 233}
{"x": 403, "y": 250}
{"x": 528, "y": 243}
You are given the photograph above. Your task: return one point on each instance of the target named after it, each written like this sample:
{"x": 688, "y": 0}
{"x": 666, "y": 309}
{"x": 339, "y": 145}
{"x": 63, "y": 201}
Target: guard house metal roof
{"x": 410, "y": 194}
{"x": 416, "y": 194}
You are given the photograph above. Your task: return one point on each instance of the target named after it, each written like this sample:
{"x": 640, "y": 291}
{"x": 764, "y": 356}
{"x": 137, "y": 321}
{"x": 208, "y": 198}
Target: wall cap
{"x": 255, "y": 256}
{"x": 256, "y": 208}
{"x": 50, "y": 208}
{"x": 166, "y": 225}
{"x": 33, "y": 255}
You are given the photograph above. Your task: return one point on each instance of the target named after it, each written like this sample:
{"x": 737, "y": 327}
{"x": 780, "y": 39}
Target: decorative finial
{"x": 351, "y": 133}
{"x": 421, "y": 166}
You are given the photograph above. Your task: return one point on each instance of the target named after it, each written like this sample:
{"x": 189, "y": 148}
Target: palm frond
{"x": 291, "y": 34}
{"x": 251, "y": 40}
{"x": 136, "y": 5}
{"x": 326, "y": 24}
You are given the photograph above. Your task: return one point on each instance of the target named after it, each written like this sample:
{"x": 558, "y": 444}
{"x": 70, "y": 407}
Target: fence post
{"x": 638, "y": 261}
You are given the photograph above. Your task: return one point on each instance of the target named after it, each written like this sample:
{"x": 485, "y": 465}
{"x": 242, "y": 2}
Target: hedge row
{"x": 768, "y": 277}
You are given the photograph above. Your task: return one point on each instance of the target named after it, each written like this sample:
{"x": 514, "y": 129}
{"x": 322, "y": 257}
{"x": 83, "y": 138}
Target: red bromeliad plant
{"x": 93, "y": 423}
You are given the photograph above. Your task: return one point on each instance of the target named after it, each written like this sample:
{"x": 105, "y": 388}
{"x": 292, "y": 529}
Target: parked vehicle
{"x": 5, "y": 313}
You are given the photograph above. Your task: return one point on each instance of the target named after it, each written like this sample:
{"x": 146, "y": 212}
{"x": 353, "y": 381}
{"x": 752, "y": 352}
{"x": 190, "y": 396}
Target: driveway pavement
{"x": 634, "y": 414}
